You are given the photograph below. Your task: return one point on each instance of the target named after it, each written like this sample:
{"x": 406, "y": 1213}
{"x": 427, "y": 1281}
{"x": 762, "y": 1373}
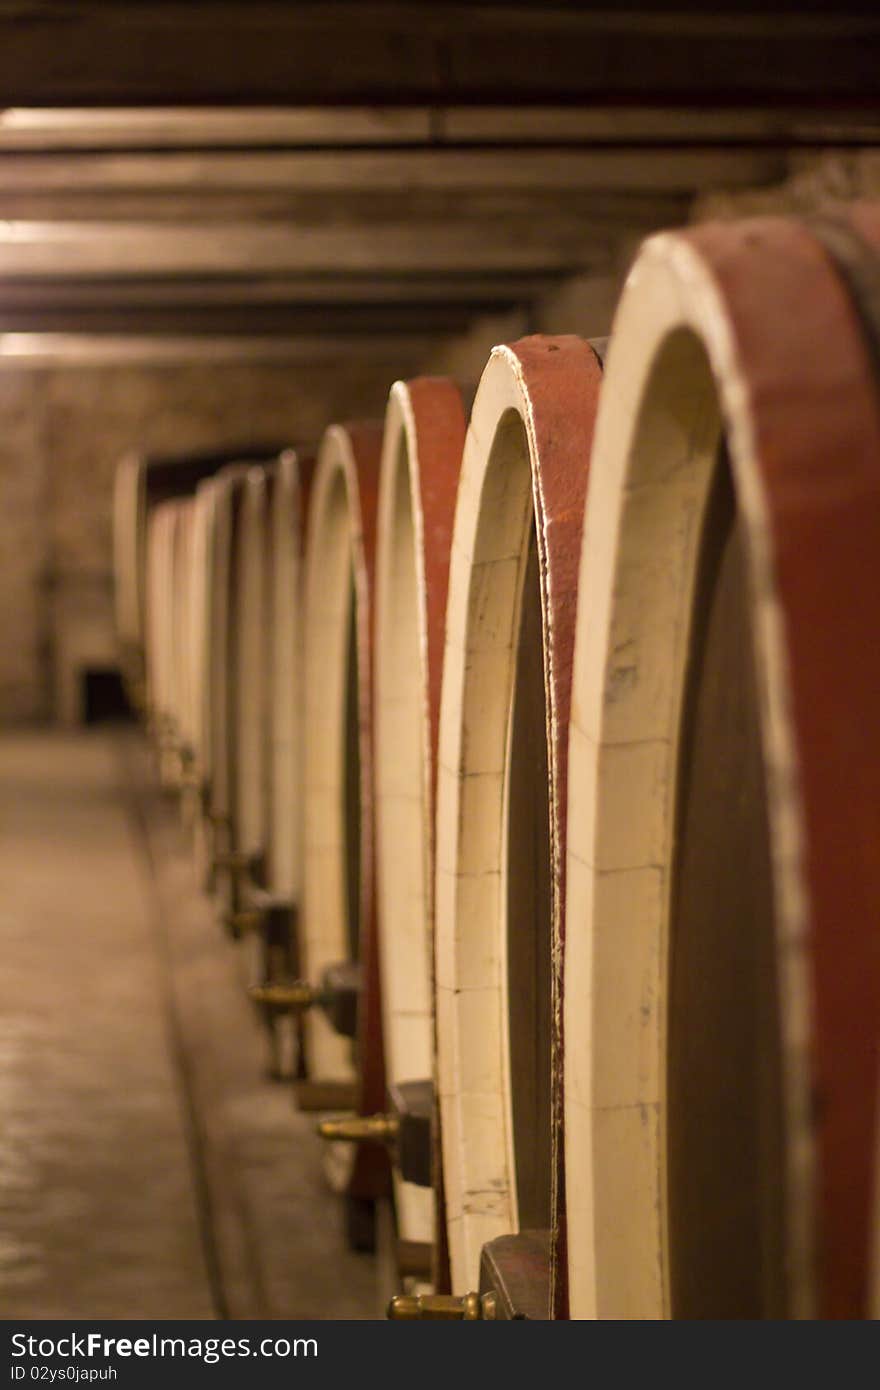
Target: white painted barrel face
{"x": 331, "y": 848}
{"x": 129, "y": 558}
{"x": 403, "y": 792}
{"x": 286, "y": 794}
{"x": 200, "y": 645}
{"x": 482, "y": 829}
{"x": 684, "y": 993}
{"x": 251, "y": 653}
{"x": 151, "y": 616}
{"x": 206, "y": 649}
{"x": 221, "y": 675}
{"x": 182, "y": 601}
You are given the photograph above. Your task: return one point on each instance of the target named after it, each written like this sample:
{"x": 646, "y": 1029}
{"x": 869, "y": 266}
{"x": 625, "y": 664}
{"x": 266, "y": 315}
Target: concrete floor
{"x": 147, "y": 1168}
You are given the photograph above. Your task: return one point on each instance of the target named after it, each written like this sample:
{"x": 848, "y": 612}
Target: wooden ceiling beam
{"x": 652, "y": 169}
{"x": 52, "y": 349}
{"x": 131, "y": 250}
{"x": 373, "y": 293}
{"x": 59, "y": 130}
{"x": 332, "y": 320}
{"x": 259, "y": 52}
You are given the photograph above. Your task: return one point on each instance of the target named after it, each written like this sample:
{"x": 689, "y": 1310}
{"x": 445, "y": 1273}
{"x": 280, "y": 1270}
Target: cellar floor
{"x": 148, "y": 1169}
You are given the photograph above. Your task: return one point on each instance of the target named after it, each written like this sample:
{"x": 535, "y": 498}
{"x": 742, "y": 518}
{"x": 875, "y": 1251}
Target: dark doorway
{"x": 103, "y": 696}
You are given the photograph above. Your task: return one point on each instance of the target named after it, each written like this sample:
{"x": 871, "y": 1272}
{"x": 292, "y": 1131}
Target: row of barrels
{"x": 532, "y": 742}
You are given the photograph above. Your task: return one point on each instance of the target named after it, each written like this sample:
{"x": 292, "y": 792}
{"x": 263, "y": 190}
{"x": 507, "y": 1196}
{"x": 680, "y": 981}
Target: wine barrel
{"x": 286, "y": 622}
{"x": 129, "y": 566}
{"x": 181, "y": 594}
{"x": 219, "y": 688}
{"x": 722, "y": 972}
{"x": 266, "y": 657}
{"x": 501, "y": 800}
{"x": 250, "y": 638}
{"x": 201, "y": 656}
{"x": 339, "y": 909}
{"x": 425, "y": 425}
{"x": 160, "y": 646}
{"x": 271, "y": 910}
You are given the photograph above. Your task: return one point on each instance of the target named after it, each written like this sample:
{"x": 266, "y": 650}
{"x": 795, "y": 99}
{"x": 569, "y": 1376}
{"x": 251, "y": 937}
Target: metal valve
{"x": 337, "y": 995}
{"x": 242, "y": 922}
{"x": 442, "y": 1307}
{"x": 292, "y": 996}
{"x": 361, "y": 1129}
{"x": 514, "y": 1285}
{"x": 406, "y": 1128}
{"x": 275, "y": 917}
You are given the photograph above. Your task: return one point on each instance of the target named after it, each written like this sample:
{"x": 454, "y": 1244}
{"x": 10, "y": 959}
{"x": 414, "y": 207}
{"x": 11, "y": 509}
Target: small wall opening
{"x": 103, "y": 697}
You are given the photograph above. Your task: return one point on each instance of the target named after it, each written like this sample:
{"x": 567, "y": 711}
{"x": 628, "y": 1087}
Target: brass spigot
{"x": 442, "y": 1307}
{"x": 360, "y": 1129}
{"x": 243, "y": 922}
{"x": 293, "y": 997}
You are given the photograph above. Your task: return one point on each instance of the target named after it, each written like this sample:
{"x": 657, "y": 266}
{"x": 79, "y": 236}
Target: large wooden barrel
{"x": 722, "y": 960}
{"x": 266, "y": 639}
{"x": 219, "y": 685}
{"x": 339, "y": 905}
{"x": 286, "y": 622}
{"x": 250, "y": 646}
{"x": 129, "y": 567}
{"x": 182, "y": 597}
{"x": 266, "y": 658}
{"x": 160, "y": 633}
{"x": 201, "y": 655}
{"x": 425, "y": 425}
{"x": 502, "y": 789}
{"x": 274, "y": 898}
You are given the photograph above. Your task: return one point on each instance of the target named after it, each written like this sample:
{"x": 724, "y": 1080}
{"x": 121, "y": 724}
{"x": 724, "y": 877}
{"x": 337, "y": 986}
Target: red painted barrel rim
{"x": 424, "y": 433}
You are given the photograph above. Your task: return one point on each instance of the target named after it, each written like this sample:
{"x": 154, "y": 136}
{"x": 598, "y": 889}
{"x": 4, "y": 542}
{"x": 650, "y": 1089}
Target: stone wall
{"x": 24, "y": 542}
{"x": 62, "y": 430}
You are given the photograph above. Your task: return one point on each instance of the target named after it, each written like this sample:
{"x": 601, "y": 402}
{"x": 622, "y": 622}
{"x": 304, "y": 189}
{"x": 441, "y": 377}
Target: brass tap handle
{"x": 248, "y": 920}
{"x": 442, "y": 1307}
{"x": 360, "y": 1129}
{"x": 293, "y": 997}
